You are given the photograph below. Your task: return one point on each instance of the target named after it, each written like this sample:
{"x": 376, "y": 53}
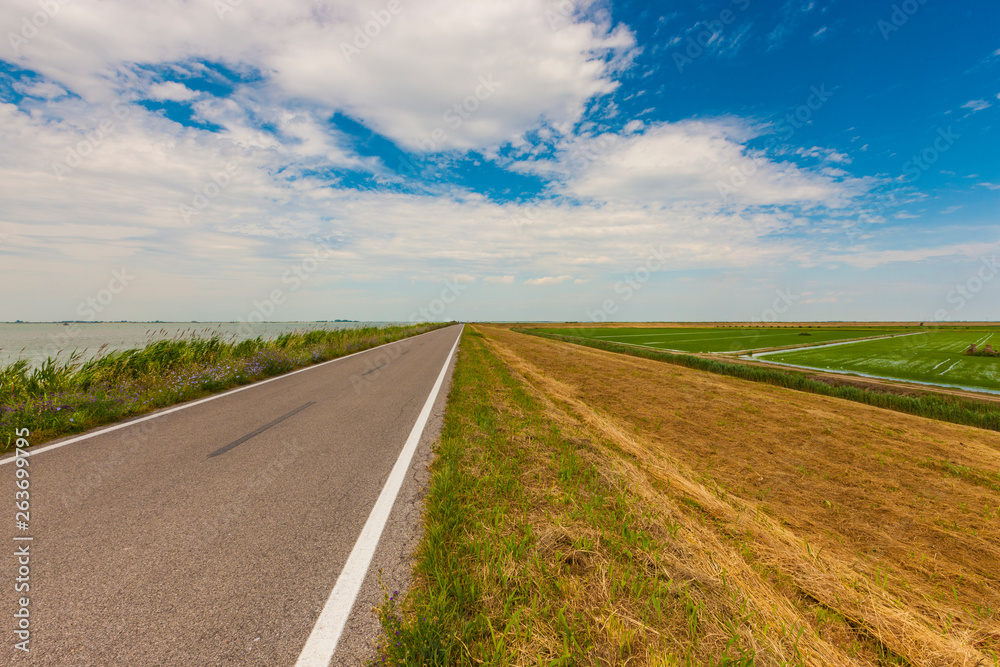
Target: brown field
{"x": 732, "y": 325}
{"x": 876, "y": 533}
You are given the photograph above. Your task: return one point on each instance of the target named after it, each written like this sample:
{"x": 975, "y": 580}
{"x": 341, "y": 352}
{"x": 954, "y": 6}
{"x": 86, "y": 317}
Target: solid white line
{"x": 322, "y": 642}
{"x": 86, "y": 436}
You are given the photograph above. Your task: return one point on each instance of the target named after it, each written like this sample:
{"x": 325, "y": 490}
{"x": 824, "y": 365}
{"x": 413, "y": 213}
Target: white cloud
{"x": 702, "y": 162}
{"x": 653, "y": 186}
{"x": 871, "y": 259}
{"x": 515, "y": 72}
{"x": 548, "y": 280}
{"x": 976, "y": 105}
{"x": 43, "y": 89}
{"x": 172, "y": 91}
{"x": 828, "y": 154}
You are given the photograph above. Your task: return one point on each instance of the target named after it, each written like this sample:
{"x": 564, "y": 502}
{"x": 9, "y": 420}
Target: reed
{"x": 59, "y": 398}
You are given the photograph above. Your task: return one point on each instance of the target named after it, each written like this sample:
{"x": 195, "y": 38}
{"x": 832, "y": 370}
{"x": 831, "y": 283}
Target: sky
{"x": 750, "y": 160}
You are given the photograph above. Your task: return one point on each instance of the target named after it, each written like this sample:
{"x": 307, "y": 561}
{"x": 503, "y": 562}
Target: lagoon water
{"x": 36, "y": 341}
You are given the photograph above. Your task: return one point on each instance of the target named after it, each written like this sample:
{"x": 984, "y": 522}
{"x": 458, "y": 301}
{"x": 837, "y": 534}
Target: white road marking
{"x": 322, "y": 642}
{"x": 93, "y": 434}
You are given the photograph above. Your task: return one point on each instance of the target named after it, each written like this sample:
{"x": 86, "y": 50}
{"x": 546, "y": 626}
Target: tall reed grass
{"x": 62, "y": 397}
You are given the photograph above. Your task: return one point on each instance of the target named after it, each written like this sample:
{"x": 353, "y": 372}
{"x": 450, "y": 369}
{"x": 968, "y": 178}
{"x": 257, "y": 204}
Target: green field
{"x": 934, "y": 356}
{"x": 725, "y": 339}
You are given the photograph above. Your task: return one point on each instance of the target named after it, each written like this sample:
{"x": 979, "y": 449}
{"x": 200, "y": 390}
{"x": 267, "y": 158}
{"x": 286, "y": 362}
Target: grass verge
{"x": 538, "y": 550}
{"x": 58, "y": 399}
{"x": 597, "y": 509}
{"x": 949, "y": 409}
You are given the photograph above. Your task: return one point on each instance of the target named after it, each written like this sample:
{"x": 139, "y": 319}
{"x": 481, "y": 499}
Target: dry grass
{"x": 818, "y": 531}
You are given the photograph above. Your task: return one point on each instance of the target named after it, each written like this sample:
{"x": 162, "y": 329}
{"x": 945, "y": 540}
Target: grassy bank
{"x": 59, "y": 399}
{"x": 538, "y": 551}
{"x": 589, "y": 509}
{"x": 955, "y": 410}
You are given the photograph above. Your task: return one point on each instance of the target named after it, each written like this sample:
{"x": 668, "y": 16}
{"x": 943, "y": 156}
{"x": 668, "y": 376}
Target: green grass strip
{"x": 943, "y": 408}
{"x": 530, "y": 551}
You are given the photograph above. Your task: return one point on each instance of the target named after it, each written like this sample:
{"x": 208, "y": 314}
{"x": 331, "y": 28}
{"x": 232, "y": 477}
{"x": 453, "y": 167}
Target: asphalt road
{"x": 214, "y": 535}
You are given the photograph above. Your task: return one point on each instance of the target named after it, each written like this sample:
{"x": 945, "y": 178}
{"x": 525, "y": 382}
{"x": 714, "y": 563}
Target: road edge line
{"x": 184, "y": 406}
{"x": 322, "y": 643}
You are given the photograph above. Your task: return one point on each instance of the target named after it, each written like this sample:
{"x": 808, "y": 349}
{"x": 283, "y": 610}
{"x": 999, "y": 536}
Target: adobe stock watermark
{"x": 712, "y": 30}
{"x": 88, "y": 310}
{"x": 560, "y": 14}
{"x": 293, "y": 279}
{"x": 217, "y": 182}
{"x": 912, "y": 169}
{"x": 965, "y": 292}
{"x": 436, "y": 307}
{"x": 211, "y": 189}
{"x": 209, "y": 529}
{"x": 32, "y": 24}
{"x": 92, "y": 141}
{"x": 363, "y": 35}
{"x": 459, "y": 112}
{"x": 453, "y": 117}
{"x": 524, "y": 216}
{"x": 922, "y": 161}
{"x": 785, "y": 129}
{"x": 90, "y": 479}
{"x": 783, "y": 302}
{"x": 900, "y": 15}
{"x": 22, "y": 541}
{"x": 629, "y": 285}
{"x": 376, "y": 362}
{"x": 223, "y": 7}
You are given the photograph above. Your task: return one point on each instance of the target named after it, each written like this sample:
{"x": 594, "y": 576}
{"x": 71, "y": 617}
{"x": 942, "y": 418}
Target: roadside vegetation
{"x": 596, "y": 509}
{"x": 945, "y": 408}
{"x": 61, "y": 398}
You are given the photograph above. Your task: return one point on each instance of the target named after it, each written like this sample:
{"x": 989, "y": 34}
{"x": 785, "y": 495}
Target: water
{"x": 36, "y": 341}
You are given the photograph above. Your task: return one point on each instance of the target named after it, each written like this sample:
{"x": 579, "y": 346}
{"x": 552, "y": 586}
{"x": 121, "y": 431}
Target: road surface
{"x": 214, "y": 534}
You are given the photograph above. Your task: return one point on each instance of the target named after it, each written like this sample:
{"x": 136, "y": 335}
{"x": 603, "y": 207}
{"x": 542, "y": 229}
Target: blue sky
{"x": 529, "y": 159}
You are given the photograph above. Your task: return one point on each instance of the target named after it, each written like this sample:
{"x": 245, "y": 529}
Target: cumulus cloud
{"x": 220, "y": 216}
{"x": 41, "y": 89}
{"x": 172, "y": 91}
{"x": 701, "y": 161}
{"x": 547, "y": 280}
{"x": 401, "y": 76}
